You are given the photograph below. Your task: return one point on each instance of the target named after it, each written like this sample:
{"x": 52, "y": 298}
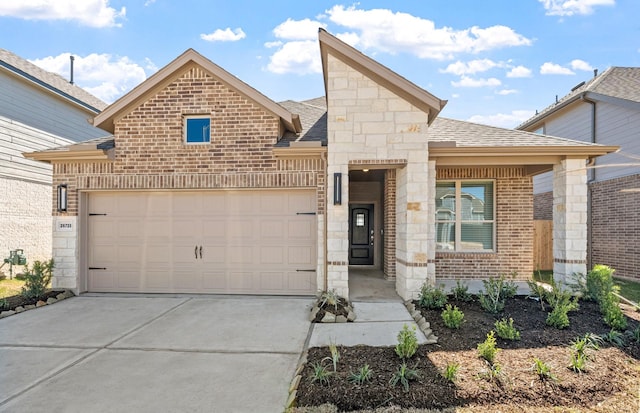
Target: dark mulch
{"x": 608, "y": 380}
{"x": 11, "y": 303}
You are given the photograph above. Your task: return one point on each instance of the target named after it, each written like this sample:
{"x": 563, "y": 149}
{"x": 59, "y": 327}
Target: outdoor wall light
{"x": 62, "y": 198}
{"x": 337, "y": 188}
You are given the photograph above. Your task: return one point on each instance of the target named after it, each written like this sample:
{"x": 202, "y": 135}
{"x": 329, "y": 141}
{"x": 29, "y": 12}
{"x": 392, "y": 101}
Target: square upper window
{"x": 197, "y": 129}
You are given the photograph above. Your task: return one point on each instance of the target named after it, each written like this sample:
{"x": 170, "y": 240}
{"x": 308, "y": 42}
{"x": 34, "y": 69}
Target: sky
{"x": 495, "y": 61}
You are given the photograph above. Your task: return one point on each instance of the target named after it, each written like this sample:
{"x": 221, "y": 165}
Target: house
{"x": 604, "y": 110}
{"x": 206, "y": 185}
{"x": 38, "y": 110}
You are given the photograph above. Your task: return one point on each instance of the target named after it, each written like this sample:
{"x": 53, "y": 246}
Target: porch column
{"x": 338, "y": 228}
{"x": 413, "y": 229}
{"x": 569, "y": 219}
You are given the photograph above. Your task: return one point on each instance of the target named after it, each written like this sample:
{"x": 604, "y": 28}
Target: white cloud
{"x": 503, "y": 120}
{"x": 466, "y": 81}
{"x": 300, "y": 57}
{"x": 149, "y": 2}
{"x": 270, "y": 45}
{"x": 474, "y": 66}
{"x": 505, "y": 92}
{"x": 305, "y": 29}
{"x": 549, "y": 68}
{"x": 389, "y": 32}
{"x": 578, "y": 64}
{"x": 226, "y": 35}
{"x": 571, "y": 7}
{"x": 103, "y": 75}
{"x": 92, "y": 13}
{"x": 519, "y": 71}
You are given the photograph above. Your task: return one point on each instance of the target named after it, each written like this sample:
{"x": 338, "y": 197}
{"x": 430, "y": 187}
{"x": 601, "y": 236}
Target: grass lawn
{"x": 10, "y": 287}
{"x": 629, "y": 289}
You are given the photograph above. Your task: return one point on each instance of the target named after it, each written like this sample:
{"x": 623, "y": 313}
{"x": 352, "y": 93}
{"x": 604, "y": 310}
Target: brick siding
{"x": 514, "y": 228}
{"x": 543, "y": 206}
{"x": 151, "y": 153}
{"x": 389, "y": 264}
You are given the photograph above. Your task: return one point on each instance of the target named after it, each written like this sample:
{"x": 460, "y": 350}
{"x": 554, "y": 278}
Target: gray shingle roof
{"x": 616, "y": 82}
{"x": 313, "y": 116}
{"x": 468, "y": 134}
{"x": 51, "y": 81}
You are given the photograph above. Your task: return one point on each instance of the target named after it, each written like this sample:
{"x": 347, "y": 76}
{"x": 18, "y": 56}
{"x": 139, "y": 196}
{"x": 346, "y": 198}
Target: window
{"x": 465, "y": 216}
{"x": 197, "y": 129}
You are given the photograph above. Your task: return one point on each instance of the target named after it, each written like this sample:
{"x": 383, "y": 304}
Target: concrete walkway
{"x": 150, "y": 354}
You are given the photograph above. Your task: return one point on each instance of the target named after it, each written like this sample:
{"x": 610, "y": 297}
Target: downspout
{"x": 324, "y": 156}
{"x": 591, "y": 179}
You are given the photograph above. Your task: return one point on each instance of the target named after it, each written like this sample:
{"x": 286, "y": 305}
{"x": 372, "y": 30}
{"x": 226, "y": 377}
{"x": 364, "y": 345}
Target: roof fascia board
{"x": 488, "y": 151}
{"x": 47, "y": 87}
{"x": 65, "y": 156}
{"x": 627, "y": 104}
{"x": 168, "y": 73}
{"x": 381, "y": 74}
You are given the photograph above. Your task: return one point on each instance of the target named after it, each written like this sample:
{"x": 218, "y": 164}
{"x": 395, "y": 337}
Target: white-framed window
{"x": 465, "y": 216}
{"x": 197, "y": 129}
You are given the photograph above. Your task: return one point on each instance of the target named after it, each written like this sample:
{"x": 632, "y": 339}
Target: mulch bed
{"x": 608, "y": 381}
{"x": 11, "y": 303}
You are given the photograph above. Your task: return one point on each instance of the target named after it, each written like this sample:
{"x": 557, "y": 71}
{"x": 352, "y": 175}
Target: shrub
{"x": 330, "y": 298}
{"x": 452, "y": 316}
{"x": 37, "y": 278}
{"x": 461, "y": 292}
{"x": 613, "y": 315}
{"x": 451, "y": 371}
{"x": 542, "y": 369}
{"x": 599, "y": 282}
{"x": 561, "y": 303}
{"x": 506, "y": 330}
{"x": 362, "y": 375}
{"x": 615, "y": 337}
{"x": 496, "y": 290}
{"x": 407, "y": 342}
{"x": 404, "y": 375}
{"x": 432, "y": 297}
{"x": 578, "y": 362}
{"x": 579, "y": 351}
{"x": 538, "y": 291}
{"x": 487, "y": 349}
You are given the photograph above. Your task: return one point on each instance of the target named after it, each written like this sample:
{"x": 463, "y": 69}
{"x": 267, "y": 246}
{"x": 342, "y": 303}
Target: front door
{"x": 361, "y": 234}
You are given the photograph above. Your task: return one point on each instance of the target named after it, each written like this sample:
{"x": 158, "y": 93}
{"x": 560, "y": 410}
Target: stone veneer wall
{"x": 151, "y": 154}
{"x": 514, "y": 228}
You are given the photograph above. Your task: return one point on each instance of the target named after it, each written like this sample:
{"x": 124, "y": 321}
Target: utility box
{"x": 16, "y": 257}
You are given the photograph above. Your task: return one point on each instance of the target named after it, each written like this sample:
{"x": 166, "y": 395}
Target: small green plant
{"x": 580, "y": 348}
{"x": 487, "y": 349}
{"x": 561, "y": 302}
{"x": 493, "y": 372}
{"x": 37, "y": 278}
{"x": 361, "y": 376}
{"x": 538, "y": 291}
{"x": 599, "y": 282}
{"x": 509, "y": 287}
{"x": 496, "y": 290}
{"x": 330, "y": 298}
{"x": 4, "y": 303}
{"x": 634, "y": 334}
{"x": 613, "y": 315}
{"x": 404, "y": 375}
{"x": 432, "y": 297}
{"x": 407, "y": 342}
{"x": 461, "y": 292}
{"x": 506, "y": 330}
{"x": 451, "y": 371}
{"x": 320, "y": 373}
{"x": 335, "y": 355}
{"x": 578, "y": 362}
{"x": 452, "y": 316}
{"x": 542, "y": 369}
{"x": 614, "y": 337}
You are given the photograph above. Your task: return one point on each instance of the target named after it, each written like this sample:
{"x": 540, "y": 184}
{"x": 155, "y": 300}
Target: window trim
{"x": 458, "y": 217}
{"x": 186, "y": 119}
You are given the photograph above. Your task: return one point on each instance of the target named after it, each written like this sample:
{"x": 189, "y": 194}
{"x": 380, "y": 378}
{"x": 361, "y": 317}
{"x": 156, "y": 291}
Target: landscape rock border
{"x": 63, "y": 295}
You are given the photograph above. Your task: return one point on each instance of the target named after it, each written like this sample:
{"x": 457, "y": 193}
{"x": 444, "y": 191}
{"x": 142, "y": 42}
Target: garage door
{"x": 235, "y": 242}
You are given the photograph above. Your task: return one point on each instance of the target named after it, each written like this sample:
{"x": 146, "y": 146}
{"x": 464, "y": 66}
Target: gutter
{"x": 592, "y": 178}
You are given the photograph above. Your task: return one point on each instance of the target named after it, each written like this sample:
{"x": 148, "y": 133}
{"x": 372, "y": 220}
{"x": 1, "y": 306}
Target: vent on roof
{"x": 577, "y": 86}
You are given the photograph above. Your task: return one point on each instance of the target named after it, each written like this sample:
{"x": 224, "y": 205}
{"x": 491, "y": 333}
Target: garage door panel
{"x": 252, "y": 242}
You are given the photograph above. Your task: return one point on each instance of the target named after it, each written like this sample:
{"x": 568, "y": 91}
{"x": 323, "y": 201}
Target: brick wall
{"x": 616, "y": 225}
{"x": 151, "y": 153}
{"x": 389, "y": 264}
{"x": 514, "y": 228}
{"x": 543, "y": 206}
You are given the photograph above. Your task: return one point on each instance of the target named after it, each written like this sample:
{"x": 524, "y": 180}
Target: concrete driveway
{"x": 150, "y": 354}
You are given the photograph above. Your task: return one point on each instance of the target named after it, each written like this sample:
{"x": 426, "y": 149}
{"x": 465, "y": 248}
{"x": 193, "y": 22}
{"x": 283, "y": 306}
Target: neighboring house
{"x": 209, "y": 186}
{"x": 38, "y": 110}
{"x": 604, "y": 110}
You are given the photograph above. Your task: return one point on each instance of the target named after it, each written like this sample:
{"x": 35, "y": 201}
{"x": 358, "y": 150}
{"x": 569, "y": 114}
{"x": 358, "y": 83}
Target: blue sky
{"x": 495, "y": 61}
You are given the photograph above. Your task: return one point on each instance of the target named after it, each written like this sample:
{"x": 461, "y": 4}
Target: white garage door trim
{"x": 231, "y": 242}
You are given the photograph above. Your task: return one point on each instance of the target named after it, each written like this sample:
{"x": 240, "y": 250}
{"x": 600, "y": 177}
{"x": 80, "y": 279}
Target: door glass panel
{"x": 360, "y": 220}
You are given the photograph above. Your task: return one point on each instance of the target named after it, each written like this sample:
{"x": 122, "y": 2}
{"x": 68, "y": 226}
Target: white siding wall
{"x": 28, "y": 104}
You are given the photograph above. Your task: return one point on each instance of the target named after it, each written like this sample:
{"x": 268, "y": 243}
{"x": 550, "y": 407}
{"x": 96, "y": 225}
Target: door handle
{"x": 196, "y": 252}
{"x": 200, "y": 251}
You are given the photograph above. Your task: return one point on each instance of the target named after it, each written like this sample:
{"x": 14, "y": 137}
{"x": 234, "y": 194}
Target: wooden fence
{"x": 542, "y": 245}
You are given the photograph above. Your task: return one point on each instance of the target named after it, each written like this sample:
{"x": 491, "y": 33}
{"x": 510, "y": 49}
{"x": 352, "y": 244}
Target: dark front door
{"x": 361, "y": 234}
